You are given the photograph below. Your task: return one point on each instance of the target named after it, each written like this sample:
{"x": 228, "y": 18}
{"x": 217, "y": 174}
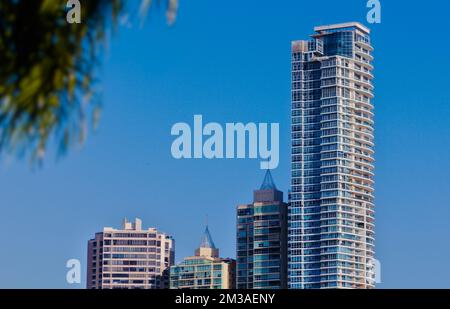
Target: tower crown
{"x": 268, "y": 183}
{"x": 207, "y": 247}
{"x": 207, "y": 241}
{"x": 342, "y": 26}
{"x": 268, "y": 192}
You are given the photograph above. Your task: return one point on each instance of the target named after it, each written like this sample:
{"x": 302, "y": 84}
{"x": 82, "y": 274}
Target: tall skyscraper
{"x": 261, "y": 240}
{"x": 331, "y": 212}
{"x": 130, "y": 258}
{"x": 204, "y": 270}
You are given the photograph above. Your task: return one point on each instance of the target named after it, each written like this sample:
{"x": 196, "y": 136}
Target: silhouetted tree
{"x": 47, "y": 70}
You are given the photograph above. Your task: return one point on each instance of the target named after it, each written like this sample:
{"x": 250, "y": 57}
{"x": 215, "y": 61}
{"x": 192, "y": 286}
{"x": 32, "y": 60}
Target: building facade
{"x": 331, "y": 212}
{"x": 261, "y": 240}
{"x": 130, "y": 258}
{"x": 204, "y": 270}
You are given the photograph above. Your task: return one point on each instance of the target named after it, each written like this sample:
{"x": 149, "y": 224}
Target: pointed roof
{"x": 207, "y": 241}
{"x": 268, "y": 183}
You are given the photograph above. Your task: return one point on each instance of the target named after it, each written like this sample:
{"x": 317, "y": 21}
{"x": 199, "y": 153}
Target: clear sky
{"x": 230, "y": 62}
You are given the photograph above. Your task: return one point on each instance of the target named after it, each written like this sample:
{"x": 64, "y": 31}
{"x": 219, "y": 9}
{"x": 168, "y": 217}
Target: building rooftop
{"x": 342, "y": 25}
{"x": 207, "y": 241}
{"x": 268, "y": 183}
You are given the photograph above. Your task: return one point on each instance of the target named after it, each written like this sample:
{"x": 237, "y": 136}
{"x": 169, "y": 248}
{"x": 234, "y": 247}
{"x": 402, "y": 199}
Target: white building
{"x": 331, "y": 212}
{"x": 129, "y": 258}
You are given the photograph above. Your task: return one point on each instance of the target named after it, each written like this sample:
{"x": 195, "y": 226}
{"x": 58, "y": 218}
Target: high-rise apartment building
{"x": 204, "y": 270}
{"x": 129, "y": 258}
{"x": 261, "y": 240}
{"x": 331, "y": 211}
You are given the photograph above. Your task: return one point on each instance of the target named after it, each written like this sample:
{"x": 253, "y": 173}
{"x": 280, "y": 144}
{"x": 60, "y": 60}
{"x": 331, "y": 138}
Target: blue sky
{"x": 230, "y": 62}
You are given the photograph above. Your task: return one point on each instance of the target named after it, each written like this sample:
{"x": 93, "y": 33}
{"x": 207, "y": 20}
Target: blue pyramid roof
{"x": 268, "y": 183}
{"x": 207, "y": 241}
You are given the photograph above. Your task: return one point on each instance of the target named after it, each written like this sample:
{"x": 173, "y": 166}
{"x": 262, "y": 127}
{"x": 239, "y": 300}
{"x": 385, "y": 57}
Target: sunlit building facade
{"x": 261, "y": 239}
{"x": 130, "y": 258}
{"x": 331, "y": 212}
